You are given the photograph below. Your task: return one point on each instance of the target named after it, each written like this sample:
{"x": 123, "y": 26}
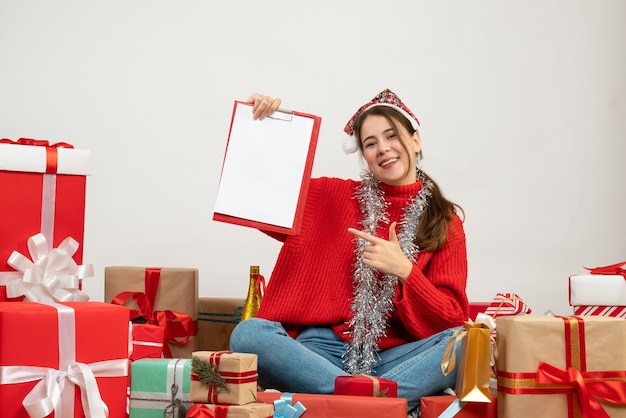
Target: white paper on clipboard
{"x": 266, "y": 169}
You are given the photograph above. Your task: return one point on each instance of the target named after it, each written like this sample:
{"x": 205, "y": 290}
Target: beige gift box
{"x": 177, "y": 292}
{"x": 237, "y": 372}
{"x": 591, "y": 348}
{"x": 217, "y": 317}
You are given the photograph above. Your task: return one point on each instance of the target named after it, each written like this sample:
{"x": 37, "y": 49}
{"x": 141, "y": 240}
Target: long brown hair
{"x": 432, "y": 230}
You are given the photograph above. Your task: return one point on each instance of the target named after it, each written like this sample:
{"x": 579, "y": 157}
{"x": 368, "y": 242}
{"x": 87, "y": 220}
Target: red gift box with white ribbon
{"x": 43, "y": 188}
{"x": 63, "y": 359}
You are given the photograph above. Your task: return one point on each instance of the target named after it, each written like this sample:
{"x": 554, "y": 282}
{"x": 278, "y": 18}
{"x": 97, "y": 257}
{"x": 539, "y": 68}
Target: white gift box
{"x": 14, "y": 157}
{"x": 597, "y": 290}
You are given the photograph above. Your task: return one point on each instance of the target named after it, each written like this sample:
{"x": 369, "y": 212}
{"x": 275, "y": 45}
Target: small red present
{"x": 251, "y": 410}
{"x": 146, "y": 341}
{"x": 365, "y": 385}
{"x": 451, "y": 406}
{"x": 341, "y": 406}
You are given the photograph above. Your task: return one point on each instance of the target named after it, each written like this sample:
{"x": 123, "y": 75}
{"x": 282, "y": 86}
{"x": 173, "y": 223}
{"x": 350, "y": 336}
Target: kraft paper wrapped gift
{"x": 447, "y": 406}
{"x": 168, "y": 297}
{"x": 233, "y": 377}
{"x": 251, "y": 410}
{"x": 43, "y": 188}
{"x": 64, "y": 344}
{"x": 540, "y": 359}
{"x": 364, "y": 385}
{"x": 217, "y": 317}
{"x": 159, "y": 387}
{"x": 341, "y": 406}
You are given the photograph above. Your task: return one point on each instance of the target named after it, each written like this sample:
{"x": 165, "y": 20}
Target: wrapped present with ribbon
{"x": 507, "y": 304}
{"x": 561, "y": 366}
{"x": 217, "y": 317}
{"x": 223, "y": 377}
{"x": 450, "y": 406}
{"x": 160, "y": 388}
{"x": 65, "y": 359}
{"x": 146, "y": 341}
{"x": 338, "y": 406}
{"x": 602, "y": 286}
{"x": 161, "y": 296}
{"x": 43, "y": 188}
{"x": 251, "y": 410}
{"x": 365, "y": 385}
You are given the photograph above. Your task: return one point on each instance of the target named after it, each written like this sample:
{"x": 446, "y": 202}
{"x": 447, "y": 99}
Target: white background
{"x": 522, "y": 104}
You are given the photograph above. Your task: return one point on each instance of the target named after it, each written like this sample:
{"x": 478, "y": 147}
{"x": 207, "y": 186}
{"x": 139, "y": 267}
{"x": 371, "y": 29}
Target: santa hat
{"x": 384, "y": 98}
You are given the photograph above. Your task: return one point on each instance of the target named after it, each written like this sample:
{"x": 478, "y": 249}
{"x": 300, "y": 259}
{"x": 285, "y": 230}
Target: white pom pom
{"x": 349, "y": 145}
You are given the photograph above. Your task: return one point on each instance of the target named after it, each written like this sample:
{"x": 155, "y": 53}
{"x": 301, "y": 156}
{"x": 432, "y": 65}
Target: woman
{"x": 375, "y": 282}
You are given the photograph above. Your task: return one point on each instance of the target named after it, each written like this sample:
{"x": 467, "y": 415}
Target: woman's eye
{"x": 369, "y": 144}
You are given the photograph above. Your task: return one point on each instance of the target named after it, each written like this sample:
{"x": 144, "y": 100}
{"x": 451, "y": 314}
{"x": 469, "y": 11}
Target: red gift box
{"x": 435, "y": 406}
{"x": 341, "y": 406}
{"x": 62, "y": 349}
{"x": 45, "y": 185}
{"x": 146, "y": 341}
{"x": 364, "y": 385}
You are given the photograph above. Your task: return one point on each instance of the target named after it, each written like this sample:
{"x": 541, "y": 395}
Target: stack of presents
{"x": 154, "y": 348}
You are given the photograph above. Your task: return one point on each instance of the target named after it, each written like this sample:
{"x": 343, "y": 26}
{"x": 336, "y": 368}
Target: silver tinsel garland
{"x": 372, "y": 302}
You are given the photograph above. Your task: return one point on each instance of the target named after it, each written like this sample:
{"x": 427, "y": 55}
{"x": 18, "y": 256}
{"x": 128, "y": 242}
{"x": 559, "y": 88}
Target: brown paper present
{"x": 217, "y": 317}
{"x": 223, "y": 377}
{"x": 542, "y": 361}
{"x": 175, "y": 293}
{"x": 251, "y": 410}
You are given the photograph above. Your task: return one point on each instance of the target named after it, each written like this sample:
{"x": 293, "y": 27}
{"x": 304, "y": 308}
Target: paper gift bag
{"x": 217, "y": 317}
{"x": 559, "y": 366}
{"x": 223, "y": 377}
{"x": 251, "y": 410}
{"x": 43, "y": 191}
{"x": 162, "y": 296}
{"x": 474, "y": 362}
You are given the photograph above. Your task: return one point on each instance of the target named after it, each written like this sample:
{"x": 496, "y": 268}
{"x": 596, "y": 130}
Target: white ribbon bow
{"x": 51, "y": 275}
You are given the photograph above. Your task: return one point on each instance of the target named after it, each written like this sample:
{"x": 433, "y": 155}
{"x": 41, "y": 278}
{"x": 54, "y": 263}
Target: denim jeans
{"x": 311, "y": 362}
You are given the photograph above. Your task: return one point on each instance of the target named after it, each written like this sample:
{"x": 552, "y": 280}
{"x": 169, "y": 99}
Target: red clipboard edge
{"x": 306, "y": 178}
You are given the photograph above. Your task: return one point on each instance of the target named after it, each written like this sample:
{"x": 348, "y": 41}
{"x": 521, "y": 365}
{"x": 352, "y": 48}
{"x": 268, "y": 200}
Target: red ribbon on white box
{"x": 51, "y": 275}
{"x": 55, "y": 390}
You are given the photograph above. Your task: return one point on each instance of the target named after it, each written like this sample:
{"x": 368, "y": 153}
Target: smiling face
{"x": 389, "y": 149}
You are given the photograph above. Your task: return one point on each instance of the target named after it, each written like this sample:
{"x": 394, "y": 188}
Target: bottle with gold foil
{"x": 256, "y": 289}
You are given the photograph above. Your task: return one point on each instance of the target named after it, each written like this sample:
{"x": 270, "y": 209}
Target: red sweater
{"x": 311, "y": 283}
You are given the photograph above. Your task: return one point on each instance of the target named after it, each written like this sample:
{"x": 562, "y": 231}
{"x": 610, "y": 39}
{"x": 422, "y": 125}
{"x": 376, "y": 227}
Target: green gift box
{"x": 159, "y": 387}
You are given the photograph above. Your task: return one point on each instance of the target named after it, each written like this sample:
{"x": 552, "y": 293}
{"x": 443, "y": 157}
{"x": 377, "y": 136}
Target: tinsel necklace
{"x": 373, "y": 294}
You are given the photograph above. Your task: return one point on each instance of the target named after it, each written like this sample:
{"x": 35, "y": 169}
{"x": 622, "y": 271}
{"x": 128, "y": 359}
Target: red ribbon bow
{"x": 587, "y": 385}
{"x": 612, "y": 269}
{"x": 179, "y": 327}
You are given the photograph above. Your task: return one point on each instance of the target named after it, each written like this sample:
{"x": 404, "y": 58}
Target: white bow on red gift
{"x": 50, "y": 275}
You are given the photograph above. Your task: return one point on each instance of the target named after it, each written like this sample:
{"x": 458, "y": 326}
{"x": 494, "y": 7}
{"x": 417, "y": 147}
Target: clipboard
{"x": 266, "y": 169}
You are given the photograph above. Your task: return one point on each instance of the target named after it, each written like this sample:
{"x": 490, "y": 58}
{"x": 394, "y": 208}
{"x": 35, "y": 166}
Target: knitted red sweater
{"x": 311, "y": 283}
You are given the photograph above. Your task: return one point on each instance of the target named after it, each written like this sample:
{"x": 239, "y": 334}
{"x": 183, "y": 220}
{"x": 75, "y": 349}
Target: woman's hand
{"x": 385, "y": 256}
{"x": 263, "y": 106}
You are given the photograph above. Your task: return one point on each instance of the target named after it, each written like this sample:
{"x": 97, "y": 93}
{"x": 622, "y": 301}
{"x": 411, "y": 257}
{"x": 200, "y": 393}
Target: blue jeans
{"x": 311, "y": 362}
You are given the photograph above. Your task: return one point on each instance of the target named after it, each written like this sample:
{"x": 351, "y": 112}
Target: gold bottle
{"x": 256, "y": 289}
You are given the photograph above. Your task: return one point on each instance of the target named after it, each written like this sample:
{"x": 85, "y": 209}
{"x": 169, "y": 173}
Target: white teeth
{"x": 386, "y": 163}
